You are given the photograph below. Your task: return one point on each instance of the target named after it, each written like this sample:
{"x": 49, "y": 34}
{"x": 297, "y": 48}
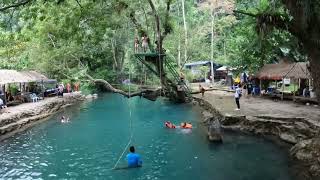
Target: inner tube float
{"x": 186, "y": 126}
{"x": 168, "y": 124}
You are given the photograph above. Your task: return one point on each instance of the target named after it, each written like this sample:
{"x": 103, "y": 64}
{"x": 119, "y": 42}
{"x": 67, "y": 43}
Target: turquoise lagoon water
{"x": 89, "y": 146}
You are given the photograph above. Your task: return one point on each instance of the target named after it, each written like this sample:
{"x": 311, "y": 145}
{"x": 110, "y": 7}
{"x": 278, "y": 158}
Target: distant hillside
{"x": 226, "y": 5}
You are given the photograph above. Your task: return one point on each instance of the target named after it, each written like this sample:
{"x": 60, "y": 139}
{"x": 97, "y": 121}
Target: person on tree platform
{"x": 136, "y": 45}
{"x": 145, "y": 43}
{"x": 202, "y": 90}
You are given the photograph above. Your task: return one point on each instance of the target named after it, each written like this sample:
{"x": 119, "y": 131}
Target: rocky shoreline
{"x": 24, "y": 116}
{"x": 300, "y": 133}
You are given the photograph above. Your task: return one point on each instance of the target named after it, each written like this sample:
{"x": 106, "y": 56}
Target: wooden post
{"x": 260, "y": 86}
{"x": 42, "y": 89}
{"x": 294, "y": 90}
{"x": 5, "y": 95}
{"x": 282, "y": 96}
{"x": 310, "y": 83}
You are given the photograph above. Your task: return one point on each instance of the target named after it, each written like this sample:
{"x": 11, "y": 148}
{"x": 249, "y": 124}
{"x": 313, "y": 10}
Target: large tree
{"x": 302, "y": 20}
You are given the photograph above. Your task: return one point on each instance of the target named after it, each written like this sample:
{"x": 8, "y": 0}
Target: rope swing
{"x": 131, "y": 123}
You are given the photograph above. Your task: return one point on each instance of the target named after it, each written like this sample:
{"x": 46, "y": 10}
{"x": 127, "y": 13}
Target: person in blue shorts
{"x": 133, "y": 158}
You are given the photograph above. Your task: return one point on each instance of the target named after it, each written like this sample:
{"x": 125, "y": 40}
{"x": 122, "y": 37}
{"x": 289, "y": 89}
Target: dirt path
{"x": 256, "y": 106}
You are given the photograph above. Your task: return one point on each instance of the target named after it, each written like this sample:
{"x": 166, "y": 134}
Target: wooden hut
{"x": 287, "y": 72}
{"x": 8, "y": 77}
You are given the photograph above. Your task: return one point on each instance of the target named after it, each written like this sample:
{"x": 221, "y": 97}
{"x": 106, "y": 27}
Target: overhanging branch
{"x": 79, "y": 3}
{"x": 245, "y": 13}
{"x": 266, "y": 21}
{"x": 15, "y": 5}
{"x": 149, "y": 94}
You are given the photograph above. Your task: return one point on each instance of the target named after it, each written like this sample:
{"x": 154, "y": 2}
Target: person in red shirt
{"x": 68, "y": 88}
{"x": 76, "y": 86}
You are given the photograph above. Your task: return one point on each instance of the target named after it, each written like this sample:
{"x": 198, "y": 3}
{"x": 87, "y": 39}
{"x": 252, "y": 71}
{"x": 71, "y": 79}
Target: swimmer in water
{"x": 133, "y": 158}
{"x": 64, "y": 119}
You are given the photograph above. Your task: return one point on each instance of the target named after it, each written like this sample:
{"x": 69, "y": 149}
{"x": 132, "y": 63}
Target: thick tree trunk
{"x": 113, "y": 49}
{"x": 314, "y": 54}
{"x": 185, "y": 32}
{"x": 212, "y": 34}
{"x": 179, "y": 43}
{"x": 158, "y": 30}
{"x": 305, "y": 27}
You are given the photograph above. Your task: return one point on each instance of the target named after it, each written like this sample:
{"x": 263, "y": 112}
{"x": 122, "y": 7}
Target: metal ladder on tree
{"x": 176, "y": 76}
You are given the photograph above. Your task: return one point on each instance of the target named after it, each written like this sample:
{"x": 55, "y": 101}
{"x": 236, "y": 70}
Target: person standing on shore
{"x": 76, "y": 86}
{"x": 237, "y": 96}
{"x": 68, "y": 86}
{"x": 60, "y": 90}
{"x": 202, "y": 90}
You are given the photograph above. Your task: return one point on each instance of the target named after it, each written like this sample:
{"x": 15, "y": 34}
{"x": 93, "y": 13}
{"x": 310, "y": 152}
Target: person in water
{"x": 133, "y": 158}
{"x": 186, "y": 125}
{"x": 64, "y": 119}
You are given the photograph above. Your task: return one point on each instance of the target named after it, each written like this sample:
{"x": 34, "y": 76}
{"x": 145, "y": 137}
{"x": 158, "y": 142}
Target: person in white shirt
{"x": 237, "y": 96}
{"x": 2, "y": 105}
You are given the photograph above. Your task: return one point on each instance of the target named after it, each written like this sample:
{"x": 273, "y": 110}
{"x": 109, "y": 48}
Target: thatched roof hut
{"x": 34, "y": 76}
{"x": 284, "y": 70}
{"x": 13, "y": 76}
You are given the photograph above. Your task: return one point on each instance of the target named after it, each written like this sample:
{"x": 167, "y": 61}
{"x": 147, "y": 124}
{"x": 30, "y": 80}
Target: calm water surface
{"x": 89, "y": 146}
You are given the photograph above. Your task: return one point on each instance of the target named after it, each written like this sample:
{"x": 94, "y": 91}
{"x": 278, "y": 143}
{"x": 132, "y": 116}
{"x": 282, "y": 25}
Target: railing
{"x": 171, "y": 69}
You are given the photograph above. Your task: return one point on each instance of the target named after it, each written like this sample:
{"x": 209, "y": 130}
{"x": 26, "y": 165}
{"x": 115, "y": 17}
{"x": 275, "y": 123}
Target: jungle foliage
{"x": 68, "y": 39}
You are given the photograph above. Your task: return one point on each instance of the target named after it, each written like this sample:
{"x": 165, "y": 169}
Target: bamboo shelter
{"x": 22, "y": 79}
{"x": 282, "y": 70}
{"x": 286, "y": 71}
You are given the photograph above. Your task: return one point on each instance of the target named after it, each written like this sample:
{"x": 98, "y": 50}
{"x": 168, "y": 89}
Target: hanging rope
{"x": 130, "y": 127}
{"x": 160, "y": 63}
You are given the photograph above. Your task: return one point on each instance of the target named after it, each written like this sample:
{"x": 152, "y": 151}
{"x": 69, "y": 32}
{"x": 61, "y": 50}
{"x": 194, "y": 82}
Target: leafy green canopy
{"x": 67, "y": 39}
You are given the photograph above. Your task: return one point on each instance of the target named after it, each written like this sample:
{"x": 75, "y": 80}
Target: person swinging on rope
{"x": 133, "y": 158}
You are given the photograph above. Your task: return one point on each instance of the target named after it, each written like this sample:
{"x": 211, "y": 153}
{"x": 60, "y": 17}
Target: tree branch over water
{"x": 109, "y": 87}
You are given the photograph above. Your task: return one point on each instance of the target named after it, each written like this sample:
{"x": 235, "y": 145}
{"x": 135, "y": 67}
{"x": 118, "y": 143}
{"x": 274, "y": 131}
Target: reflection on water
{"x": 88, "y": 146}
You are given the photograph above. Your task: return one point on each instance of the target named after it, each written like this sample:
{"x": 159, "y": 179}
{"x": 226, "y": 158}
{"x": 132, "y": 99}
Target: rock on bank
{"x": 18, "y": 117}
{"x": 301, "y": 132}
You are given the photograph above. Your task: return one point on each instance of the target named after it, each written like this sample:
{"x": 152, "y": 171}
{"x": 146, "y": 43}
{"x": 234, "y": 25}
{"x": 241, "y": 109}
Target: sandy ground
{"x": 256, "y": 106}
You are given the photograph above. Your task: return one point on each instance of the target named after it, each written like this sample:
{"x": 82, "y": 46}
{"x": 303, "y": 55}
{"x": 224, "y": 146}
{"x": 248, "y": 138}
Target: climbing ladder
{"x": 176, "y": 75}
